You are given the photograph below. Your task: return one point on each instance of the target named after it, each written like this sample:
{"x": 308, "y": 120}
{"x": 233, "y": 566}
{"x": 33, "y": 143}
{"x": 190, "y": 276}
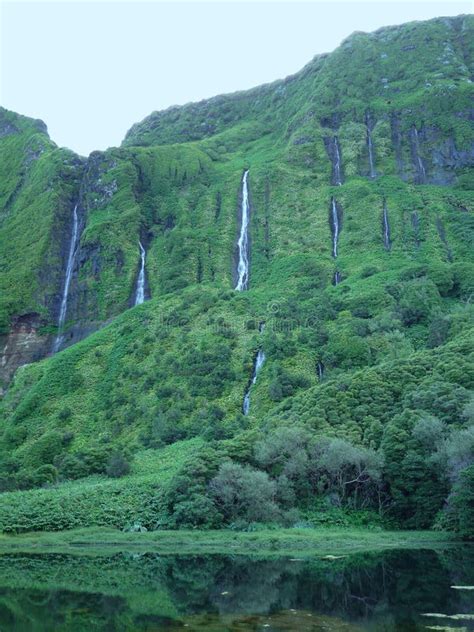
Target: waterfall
{"x": 336, "y": 279}
{"x": 320, "y": 369}
{"x": 337, "y": 163}
{"x": 140, "y": 293}
{"x": 334, "y": 227}
{"x": 243, "y": 243}
{"x": 67, "y": 281}
{"x": 416, "y": 149}
{"x": 370, "y": 146}
{"x": 259, "y": 360}
{"x": 386, "y": 227}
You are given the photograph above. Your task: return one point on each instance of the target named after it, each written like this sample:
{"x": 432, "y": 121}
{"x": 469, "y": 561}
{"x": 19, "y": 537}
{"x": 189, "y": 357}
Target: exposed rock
{"x": 446, "y": 159}
{"x": 302, "y": 140}
{"x": 23, "y": 344}
{"x": 7, "y": 129}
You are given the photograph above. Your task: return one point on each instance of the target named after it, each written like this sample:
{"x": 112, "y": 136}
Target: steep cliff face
{"x": 413, "y": 83}
{"x": 39, "y": 183}
{"x": 172, "y": 185}
{"x": 355, "y": 176}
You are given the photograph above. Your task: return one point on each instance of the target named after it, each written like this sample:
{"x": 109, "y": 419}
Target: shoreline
{"x": 319, "y": 542}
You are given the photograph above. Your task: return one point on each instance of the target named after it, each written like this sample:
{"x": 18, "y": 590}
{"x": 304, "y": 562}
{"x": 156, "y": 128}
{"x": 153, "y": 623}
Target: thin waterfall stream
{"x": 386, "y": 227}
{"x": 140, "y": 291}
{"x": 416, "y": 149}
{"x": 337, "y": 162}
{"x": 243, "y": 242}
{"x": 320, "y": 370}
{"x": 335, "y": 230}
{"x": 259, "y": 360}
{"x": 337, "y": 278}
{"x": 335, "y": 227}
{"x": 67, "y": 281}
{"x": 370, "y": 146}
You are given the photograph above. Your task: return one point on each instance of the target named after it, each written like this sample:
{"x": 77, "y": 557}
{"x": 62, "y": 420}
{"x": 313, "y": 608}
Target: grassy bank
{"x": 281, "y": 542}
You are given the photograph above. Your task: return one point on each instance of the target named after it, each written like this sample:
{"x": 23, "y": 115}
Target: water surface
{"x": 387, "y": 592}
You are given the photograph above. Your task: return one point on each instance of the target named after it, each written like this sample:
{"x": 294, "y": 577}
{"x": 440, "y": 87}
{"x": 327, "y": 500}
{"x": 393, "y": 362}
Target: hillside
{"x": 360, "y": 249}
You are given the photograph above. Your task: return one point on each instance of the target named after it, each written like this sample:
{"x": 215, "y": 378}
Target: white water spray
{"x": 259, "y": 360}
{"x": 243, "y": 243}
{"x": 370, "y": 146}
{"x": 421, "y": 166}
{"x": 320, "y": 369}
{"x": 335, "y": 227}
{"x": 140, "y": 292}
{"x": 386, "y": 228}
{"x": 67, "y": 281}
{"x": 337, "y": 163}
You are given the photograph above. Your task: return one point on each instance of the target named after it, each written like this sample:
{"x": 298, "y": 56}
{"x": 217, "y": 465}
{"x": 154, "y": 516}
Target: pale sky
{"x": 92, "y": 69}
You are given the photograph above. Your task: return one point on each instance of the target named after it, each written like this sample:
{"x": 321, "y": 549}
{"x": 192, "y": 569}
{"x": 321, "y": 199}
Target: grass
{"x": 279, "y": 542}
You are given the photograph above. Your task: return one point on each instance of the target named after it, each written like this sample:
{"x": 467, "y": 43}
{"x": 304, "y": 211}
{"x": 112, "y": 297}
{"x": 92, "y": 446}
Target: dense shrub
{"x": 241, "y": 492}
{"x": 463, "y": 504}
{"x": 117, "y": 466}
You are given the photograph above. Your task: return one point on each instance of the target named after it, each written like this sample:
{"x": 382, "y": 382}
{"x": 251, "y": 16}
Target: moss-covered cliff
{"x": 346, "y": 358}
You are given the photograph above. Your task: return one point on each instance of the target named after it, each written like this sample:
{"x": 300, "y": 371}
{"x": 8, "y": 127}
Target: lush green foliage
{"x": 381, "y": 433}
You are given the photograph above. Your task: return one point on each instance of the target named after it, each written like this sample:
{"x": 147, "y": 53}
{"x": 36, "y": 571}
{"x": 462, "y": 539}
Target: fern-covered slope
{"x": 178, "y": 366}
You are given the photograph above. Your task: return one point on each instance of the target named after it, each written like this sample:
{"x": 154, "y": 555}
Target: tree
{"x": 186, "y": 500}
{"x": 463, "y": 503}
{"x": 241, "y": 492}
{"x": 117, "y": 466}
{"x": 353, "y": 472}
{"x": 283, "y": 453}
{"x": 415, "y": 468}
{"x": 460, "y": 451}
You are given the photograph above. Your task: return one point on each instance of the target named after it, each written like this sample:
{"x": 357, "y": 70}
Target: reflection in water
{"x": 388, "y": 591}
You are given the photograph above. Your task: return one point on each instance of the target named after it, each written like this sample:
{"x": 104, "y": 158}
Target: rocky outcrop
{"x": 427, "y": 155}
{"x": 23, "y": 344}
{"x": 446, "y": 158}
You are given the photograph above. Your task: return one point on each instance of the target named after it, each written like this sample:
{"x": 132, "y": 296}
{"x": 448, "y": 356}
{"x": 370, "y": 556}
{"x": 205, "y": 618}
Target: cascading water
{"x": 140, "y": 292}
{"x": 259, "y": 360}
{"x": 320, "y": 369}
{"x": 370, "y": 146}
{"x": 67, "y": 281}
{"x": 335, "y": 227}
{"x": 419, "y": 162}
{"x": 337, "y": 162}
{"x": 386, "y": 227}
{"x": 336, "y": 279}
{"x": 243, "y": 243}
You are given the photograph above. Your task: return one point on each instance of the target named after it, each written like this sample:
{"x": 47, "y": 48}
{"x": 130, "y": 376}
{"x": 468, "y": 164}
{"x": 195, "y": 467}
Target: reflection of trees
{"x": 256, "y": 589}
{"x": 384, "y": 591}
{"x": 394, "y": 586}
{"x": 63, "y": 610}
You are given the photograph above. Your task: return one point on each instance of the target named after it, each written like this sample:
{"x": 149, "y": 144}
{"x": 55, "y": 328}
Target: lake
{"x": 388, "y": 591}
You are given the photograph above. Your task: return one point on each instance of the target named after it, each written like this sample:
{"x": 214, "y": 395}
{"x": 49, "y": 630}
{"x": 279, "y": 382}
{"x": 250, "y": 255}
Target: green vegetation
{"x": 269, "y": 543}
{"x": 140, "y": 425}
{"x": 38, "y": 183}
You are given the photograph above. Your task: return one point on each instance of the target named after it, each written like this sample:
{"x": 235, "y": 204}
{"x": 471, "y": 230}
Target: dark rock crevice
{"x": 386, "y": 234}
{"x": 444, "y": 240}
{"x": 333, "y": 150}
